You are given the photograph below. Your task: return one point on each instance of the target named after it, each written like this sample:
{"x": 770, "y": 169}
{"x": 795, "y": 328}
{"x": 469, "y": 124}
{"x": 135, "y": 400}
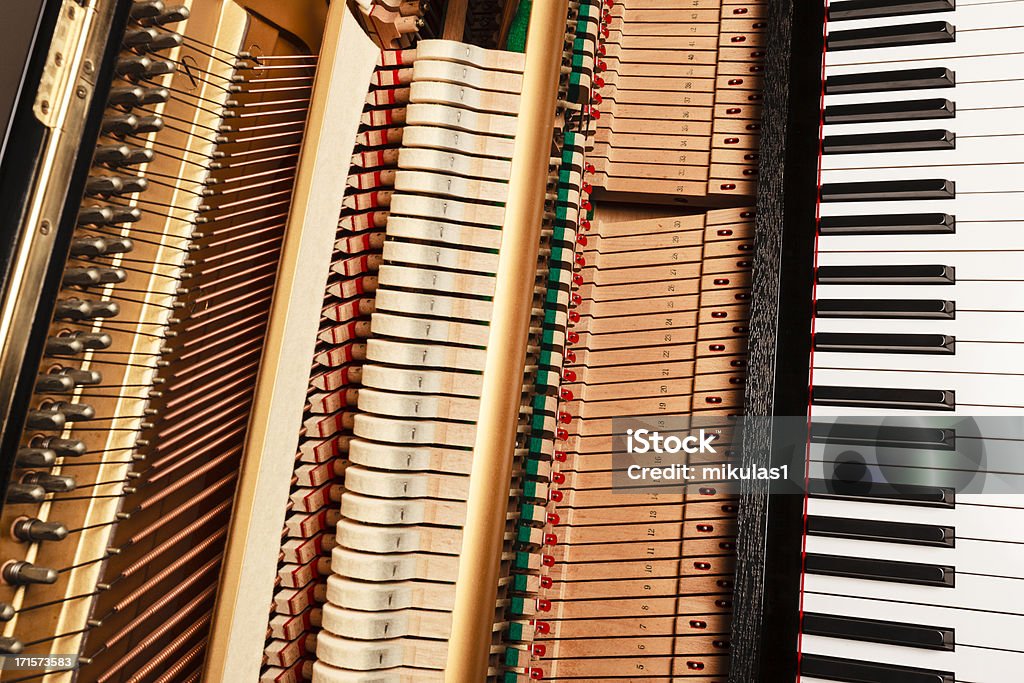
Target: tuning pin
{"x": 142, "y": 68}
{"x": 82, "y": 377}
{"x": 100, "y": 246}
{"x": 108, "y": 215}
{"x": 51, "y": 483}
{"x": 147, "y": 9}
{"x": 65, "y": 448}
{"x": 45, "y": 419}
{"x": 118, "y": 156}
{"x": 11, "y": 646}
{"x": 54, "y": 383}
{"x": 62, "y": 346}
{"x": 93, "y": 341}
{"x": 150, "y": 40}
{"x": 25, "y": 493}
{"x": 106, "y": 185}
{"x": 75, "y": 412}
{"x": 91, "y": 276}
{"x": 34, "y": 457}
{"x": 19, "y": 573}
{"x": 30, "y": 529}
{"x": 170, "y": 16}
{"x": 6, "y": 614}
{"x": 84, "y": 309}
{"x": 137, "y": 96}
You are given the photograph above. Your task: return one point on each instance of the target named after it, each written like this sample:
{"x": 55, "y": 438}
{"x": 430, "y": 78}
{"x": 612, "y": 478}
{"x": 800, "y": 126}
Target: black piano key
{"x": 892, "y": 399}
{"x": 888, "y": 190}
{"x": 870, "y": 9}
{"x": 903, "y": 110}
{"x": 870, "y": 569}
{"x": 898, "y": 35}
{"x": 896, "y": 141}
{"x": 891, "y": 436}
{"x": 887, "y": 275}
{"x": 878, "y": 530}
{"x": 878, "y": 631}
{"x": 883, "y": 81}
{"x": 914, "y": 309}
{"x": 905, "y": 494}
{"x": 888, "y": 224}
{"x": 856, "y": 342}
{"x": 858, "y": 671}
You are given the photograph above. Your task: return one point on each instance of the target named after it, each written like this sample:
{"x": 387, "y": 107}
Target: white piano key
{"x": 969, "y": 16}
{"x": 990, "y": 593}
{"x": 966, "y": 207}
{"x": 966, "y": 68}
{"x": 962, "y": 410}
{"x": 970, "y": 521}
{"x": 994, "y": 455}
{"x": 968, "y": 358}
{"x": 976, "y": 557}
{"x": 984, "y": 265}
{"x": 971, "y": 390}
{"x": 976, "y": 122}
{"x": 993, "y": 485}
{"x": 996, "y": 326}
{"x": 966, "y": 43}
{"x": 982, "y": 629}
{"x": 968, "y": 664}
{"x": 986, "y": 174}
{"x": 1003, "y": 236}
{"x": 978, "y": 296}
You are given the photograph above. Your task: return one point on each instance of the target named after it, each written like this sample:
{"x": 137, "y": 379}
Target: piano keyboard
{"x": 916, "y": 314}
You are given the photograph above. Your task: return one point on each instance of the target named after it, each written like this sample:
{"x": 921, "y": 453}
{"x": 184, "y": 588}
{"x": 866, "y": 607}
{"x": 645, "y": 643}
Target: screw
{"x": 44, "y": 227}
{"x": 45, "y": 106}
{"x": 81, "y": 92}
{"x": 58, "y": 59}
{"x": 71, "y": 12}
{"x": 88, "y": 66}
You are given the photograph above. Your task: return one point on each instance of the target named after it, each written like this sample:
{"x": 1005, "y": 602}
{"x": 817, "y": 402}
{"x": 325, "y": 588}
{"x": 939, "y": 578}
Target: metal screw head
{"x": 88, "y": 67}
{"x": 45, "y": 106}
{"x": 71, "y": 12}
{"x": 81, "y": 92}
{"x": 58, "y": 59}
{"x": 44, "y": 227}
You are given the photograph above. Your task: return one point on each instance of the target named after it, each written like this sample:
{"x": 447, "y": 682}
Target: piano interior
{"x": 320, "y": 322}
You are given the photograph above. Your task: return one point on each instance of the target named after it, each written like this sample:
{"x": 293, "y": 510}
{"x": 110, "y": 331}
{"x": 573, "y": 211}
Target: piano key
{"x": 894, "y": 532}
{"x": 972, "y": 73}
{"x": 881, "y": 81}
{"x": 883, "y": 397}
{"x": 884, "y": 343}
{"x": 969, "y": 358}
{"x": 868, "y": 9}
{"x": 887, "y": 190}
{"x": 930, "y": 496}
{"x": 967, "y": 265}
{"x": 1008, "y": 235}
{"x": 971, "y": 628}
{"x": 903, "y": 110}
{"x": 972, "y": 168}
{"x": 872, "y": 569}
{"x": 976, "y": 557}
{"x": 892, "y": 142}
{"x": 859, "y": 670}
{"x": 1004, "y": 297}
{"x": 876, "y": 630}
{"x": 970, "y": 328}
{"x": 889, "y": 35}
{"x": 917, "y": 309}
{"x": 908, "y": 274}
{"x": 872, "y": 433}
{"x": 966, "y": 43}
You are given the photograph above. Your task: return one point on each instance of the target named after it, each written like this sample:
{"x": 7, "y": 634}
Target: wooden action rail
{"x": 640, "y": 583}
{"x": 678, "y": 90}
